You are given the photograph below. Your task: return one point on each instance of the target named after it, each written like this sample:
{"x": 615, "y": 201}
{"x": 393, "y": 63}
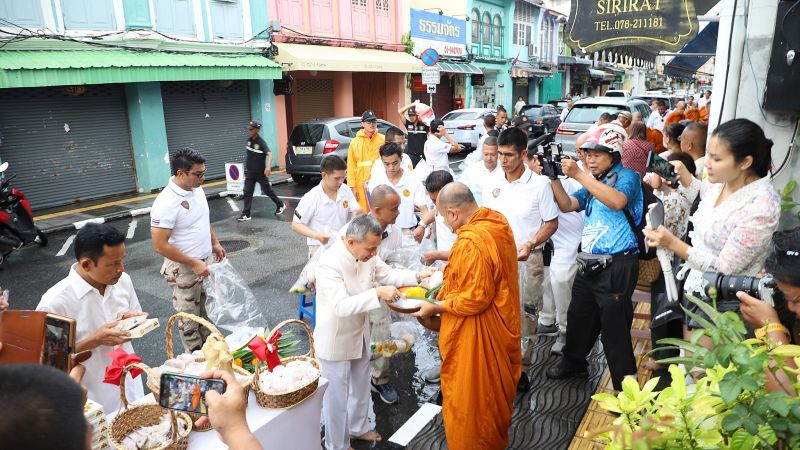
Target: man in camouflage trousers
{"x": 181, "y": 232}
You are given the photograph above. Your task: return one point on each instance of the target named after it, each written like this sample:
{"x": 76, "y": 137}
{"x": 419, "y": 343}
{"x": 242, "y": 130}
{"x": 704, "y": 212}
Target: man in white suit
{"x": 347, "y": 274}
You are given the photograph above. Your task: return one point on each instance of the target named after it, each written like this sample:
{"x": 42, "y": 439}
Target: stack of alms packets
{"x": 96, "y": 417}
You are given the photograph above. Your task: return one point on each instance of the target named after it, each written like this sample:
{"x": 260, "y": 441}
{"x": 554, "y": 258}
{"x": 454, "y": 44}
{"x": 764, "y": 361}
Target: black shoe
{"x": 243, "y": 218}
{"x": 280, "y": 209}
{"x": 524, "y": 383}
{"x": 561, "y": 373}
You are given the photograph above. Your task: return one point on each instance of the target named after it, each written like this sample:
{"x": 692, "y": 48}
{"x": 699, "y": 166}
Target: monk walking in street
{"x": 479, "y": 337}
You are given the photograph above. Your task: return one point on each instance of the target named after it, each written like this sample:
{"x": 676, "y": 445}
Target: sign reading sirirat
{"x": 656, "y": 24}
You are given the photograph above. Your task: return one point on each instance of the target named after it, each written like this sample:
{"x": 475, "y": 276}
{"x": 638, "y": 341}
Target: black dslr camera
{"x": 726, "y": 286}
{"x": 550, "y": 158}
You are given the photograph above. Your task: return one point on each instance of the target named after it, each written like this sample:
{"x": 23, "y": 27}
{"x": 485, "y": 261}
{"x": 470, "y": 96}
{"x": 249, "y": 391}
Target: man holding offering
{"x": 479, "y": 336}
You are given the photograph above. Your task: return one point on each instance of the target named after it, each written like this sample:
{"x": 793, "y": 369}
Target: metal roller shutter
{"x": 313, "y": 99}
{"x": 65, "y": 148}
{"x": 208, "y": 116}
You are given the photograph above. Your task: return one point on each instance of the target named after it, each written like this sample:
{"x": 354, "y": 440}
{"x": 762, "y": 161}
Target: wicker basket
{"x": 130, "y": 418}
{"x": 649, "y": 271}
{"x": 155, "y": 384}
{"x": 291, "y": 398}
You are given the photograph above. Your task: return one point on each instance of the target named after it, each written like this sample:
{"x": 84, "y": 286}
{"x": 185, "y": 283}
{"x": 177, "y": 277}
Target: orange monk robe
{"x": 704, "y": 114}
{"x": 693, "y": 114}
{"x": 479, "y": 337}
{"x": 656, "y": 138}
{"x": 363, "y": 151}
{"x": 673, "y": 117}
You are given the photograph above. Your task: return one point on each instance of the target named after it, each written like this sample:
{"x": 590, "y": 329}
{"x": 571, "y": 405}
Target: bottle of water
{"x": 389, "y": 347}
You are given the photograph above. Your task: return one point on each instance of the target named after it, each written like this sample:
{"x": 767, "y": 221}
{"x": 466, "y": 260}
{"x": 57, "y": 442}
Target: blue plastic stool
{"x": 302, "y": 309}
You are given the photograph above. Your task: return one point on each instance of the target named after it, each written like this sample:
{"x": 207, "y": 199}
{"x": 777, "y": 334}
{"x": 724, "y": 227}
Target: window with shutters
{"x": 523, "y": 23}
{"x": 227, "y": 21}
{"x": 174, "y": 17}
{"x": 486, "y": 29}
{"x": 291, "y": 15}
{"x": 22, "y": 13}
{"x": 358, "y": 9}
{"x": 546, "y": 40}
{"x": 497, "y": 29}
{"x": 321, "y": 18}
{"x": 88, "y": 14}
{"x": 475, "y": 20}
{"x": 383, "y": 21}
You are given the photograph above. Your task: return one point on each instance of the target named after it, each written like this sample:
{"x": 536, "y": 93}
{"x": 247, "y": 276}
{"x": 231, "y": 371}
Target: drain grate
{"x": 235, "y": 245}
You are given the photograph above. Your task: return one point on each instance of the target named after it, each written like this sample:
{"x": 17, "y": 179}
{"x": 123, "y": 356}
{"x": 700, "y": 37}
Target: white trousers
{"x": 346, "y": 404}
{"x": 558, "y": 279}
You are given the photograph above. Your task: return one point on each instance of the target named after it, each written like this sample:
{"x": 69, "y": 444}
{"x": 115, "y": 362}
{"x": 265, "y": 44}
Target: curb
{"x": 134, "y": 212}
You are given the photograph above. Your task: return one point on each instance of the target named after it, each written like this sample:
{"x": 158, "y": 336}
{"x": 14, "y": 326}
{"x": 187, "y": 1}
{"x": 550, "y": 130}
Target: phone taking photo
{"x": 59, "y": 341}
{"x": 187, "y": 393}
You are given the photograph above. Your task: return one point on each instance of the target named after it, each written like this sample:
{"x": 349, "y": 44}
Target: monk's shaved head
{"x": 456, "y": 195}
{"x": 382, "y": 195}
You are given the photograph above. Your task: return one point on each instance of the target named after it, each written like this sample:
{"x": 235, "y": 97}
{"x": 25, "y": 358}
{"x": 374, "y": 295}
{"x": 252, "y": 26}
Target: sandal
{"x": 369, "y": 436}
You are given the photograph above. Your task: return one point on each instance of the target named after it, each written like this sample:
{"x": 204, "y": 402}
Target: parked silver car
{"x": 586, "y": 111}
{"x": 466, "y": 125}
{"x": 313, "y": 140}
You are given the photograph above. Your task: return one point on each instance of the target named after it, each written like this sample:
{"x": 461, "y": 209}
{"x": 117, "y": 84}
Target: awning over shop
{"x": 36, "y": 68}
{"x": 459, "y": 67}
{"x": 684, "y": 66}
{"x": 525, "y": 71}
{"x": 345, "y": 59}
{"x": 599, "y": 74}
{"x": 574, "y": 60}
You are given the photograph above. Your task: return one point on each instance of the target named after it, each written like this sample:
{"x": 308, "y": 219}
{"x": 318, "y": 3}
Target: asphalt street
{"x": 267, "y": 254}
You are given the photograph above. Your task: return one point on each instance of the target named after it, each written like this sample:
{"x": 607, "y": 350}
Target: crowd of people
{"x": 528, "y": 246}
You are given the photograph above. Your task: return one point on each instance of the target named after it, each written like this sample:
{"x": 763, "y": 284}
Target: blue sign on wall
{"x": 446, "y": 34}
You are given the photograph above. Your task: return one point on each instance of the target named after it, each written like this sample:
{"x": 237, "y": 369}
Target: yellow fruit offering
{"x": 415, "y": 292}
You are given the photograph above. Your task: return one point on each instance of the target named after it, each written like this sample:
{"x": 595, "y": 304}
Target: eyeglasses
{"x": 197, "y": 174}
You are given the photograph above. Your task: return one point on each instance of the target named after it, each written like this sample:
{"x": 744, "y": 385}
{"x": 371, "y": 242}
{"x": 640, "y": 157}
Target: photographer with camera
{"x": 783, "y": 266}
{"x": 601, "y": 294}
{"x": 737, "y": 214}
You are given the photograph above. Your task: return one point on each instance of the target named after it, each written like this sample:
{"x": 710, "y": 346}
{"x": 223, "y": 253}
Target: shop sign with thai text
{"x": 656, "y": 24}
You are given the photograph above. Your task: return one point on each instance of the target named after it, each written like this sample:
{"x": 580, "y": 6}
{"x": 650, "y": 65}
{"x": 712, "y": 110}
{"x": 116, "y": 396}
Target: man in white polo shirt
{"x": 327, "y": 207}
{"x": 436, "y": 150}
{"x": 181, "y": 232}
{"x": 526, "y": 200}
{"x": 481, "y": 172}
{"x": 412, "y": 194}
{"x": 378, "y": 175}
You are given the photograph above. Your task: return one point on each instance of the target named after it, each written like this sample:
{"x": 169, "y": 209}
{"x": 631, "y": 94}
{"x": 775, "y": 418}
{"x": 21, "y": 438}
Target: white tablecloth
{"x": 296, "y": 428}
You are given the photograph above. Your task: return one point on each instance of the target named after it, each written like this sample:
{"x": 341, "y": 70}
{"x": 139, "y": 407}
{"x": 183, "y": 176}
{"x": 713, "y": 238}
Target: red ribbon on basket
{"x": 266, "y": 350}
{"x": 119, "y": 360}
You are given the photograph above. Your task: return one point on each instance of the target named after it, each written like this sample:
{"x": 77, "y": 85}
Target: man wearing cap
{"x": 417, "y": 131}
{"x": 361, "y": 156}
{"x": 257, "y": 168}
{"x": 601, "y": 294}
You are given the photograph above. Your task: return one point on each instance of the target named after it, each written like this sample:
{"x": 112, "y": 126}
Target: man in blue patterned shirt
{"x": 601, "y": 295}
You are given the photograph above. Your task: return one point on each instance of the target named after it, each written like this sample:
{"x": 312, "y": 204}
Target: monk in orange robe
{"x": 692, "y": 113}
{"x": 676, "y": 115}
{"x": 704, "y": 112}
{"x": 479, "y": 339}
{"x": 656, "y": 138}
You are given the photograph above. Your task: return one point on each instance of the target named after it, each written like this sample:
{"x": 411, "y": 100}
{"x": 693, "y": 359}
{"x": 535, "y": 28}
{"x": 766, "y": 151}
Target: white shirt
{"x": 564, "y": 113}
{"x": 436, "y": 152}
{"x": 323, "y": 215}
{"x": 186, "y": 214}
{"x": 476, "y": 175}
{"x": 701, "y": 102}
{"x": 411, "y": 193}
{"x": 378, "y": 175}
{"x": 526, "y": 203}
{"x": 567, "y": 237}
{"x": 74, "y": 297}
{"x": 391, "y": 242}
{"x": 479, "y": 146}
{"x": 656, "y": 120}
{"x": 444, "y": 237}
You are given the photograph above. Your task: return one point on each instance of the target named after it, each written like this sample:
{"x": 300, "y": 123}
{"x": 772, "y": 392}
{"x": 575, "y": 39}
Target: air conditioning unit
{"x": 533, "y": 51}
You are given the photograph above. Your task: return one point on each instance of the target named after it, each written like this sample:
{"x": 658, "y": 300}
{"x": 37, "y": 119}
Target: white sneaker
{"x": 433, "y": 375}
{"x": 280, "y": 209}
{"x": 243, "y": 218}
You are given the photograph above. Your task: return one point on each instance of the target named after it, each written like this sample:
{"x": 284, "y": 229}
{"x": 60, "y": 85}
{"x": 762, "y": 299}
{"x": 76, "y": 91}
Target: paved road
{"x": 266, "y": 253}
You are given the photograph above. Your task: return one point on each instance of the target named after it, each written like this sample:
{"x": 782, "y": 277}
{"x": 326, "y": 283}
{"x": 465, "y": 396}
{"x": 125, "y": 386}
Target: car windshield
{"x": 460, "y": 115}
{"x": 533, "y": 111}
{"x": 615, "y": 94}
{"x": 307, "y": 132}
{"x": 590, "y": 113}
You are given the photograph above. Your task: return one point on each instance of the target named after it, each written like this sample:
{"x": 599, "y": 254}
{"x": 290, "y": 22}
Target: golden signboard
{"x": 657, "y": 24}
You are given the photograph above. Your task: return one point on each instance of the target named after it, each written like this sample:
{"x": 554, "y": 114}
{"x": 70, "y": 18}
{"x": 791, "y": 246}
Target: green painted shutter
{"x": 551, "y": 88}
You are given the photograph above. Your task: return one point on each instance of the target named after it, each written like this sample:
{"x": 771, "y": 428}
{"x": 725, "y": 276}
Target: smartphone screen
{"x": 58, "y": 342}
{"x": 187, "y": 393}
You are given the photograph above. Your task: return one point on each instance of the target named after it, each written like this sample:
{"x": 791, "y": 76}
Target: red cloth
{"x": 634, "y": 155}
{"x": 266, "y": 350}
{"x": 119, "y": 360}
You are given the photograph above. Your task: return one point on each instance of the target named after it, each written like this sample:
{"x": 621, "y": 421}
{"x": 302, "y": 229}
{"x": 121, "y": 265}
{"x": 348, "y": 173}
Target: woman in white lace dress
{"x": 738, "y": 211}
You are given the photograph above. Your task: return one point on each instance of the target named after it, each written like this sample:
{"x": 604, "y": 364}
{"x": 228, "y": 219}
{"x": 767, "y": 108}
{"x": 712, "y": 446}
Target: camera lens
{"x": 729, "y": 285}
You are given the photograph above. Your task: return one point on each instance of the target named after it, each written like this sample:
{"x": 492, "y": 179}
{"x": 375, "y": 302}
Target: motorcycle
{"x": 16, "y": 219}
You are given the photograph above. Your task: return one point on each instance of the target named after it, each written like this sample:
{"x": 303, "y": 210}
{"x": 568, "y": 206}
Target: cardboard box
{"x": 144, "y": 328}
